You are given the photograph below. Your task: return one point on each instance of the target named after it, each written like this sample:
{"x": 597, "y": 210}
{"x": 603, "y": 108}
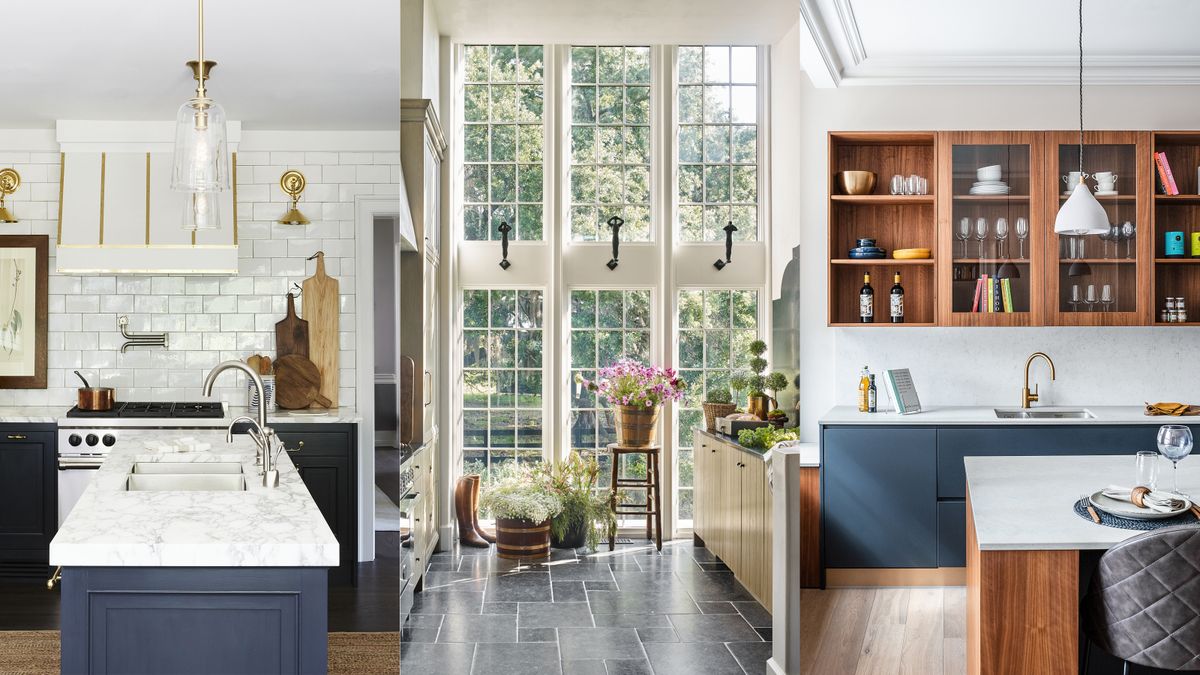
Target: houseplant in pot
{"x": 573, "y": 481}
{"x": 522, "y": 504}
{"x": 636, "y": 393}
{"x": 718, "y": 403}
{"x": 758, "y": 403}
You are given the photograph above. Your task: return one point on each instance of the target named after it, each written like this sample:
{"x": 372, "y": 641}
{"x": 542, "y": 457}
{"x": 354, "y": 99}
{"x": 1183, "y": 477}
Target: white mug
{"x": 1104, "y": 176}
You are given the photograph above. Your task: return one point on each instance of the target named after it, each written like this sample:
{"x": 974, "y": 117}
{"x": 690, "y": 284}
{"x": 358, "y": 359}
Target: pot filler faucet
{"x": 264, "y": 437}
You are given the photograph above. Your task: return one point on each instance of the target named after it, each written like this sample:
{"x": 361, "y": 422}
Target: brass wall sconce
{"x": 10, "y": 180}
{"x": 293, "y": 183}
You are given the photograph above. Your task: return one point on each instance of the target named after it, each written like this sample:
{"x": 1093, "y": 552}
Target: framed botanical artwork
{"x": 24, "y": 275}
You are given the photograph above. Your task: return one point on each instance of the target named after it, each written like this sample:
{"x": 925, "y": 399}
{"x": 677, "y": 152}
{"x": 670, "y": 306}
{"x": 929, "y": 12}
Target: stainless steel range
{"x": 85, "y": 438}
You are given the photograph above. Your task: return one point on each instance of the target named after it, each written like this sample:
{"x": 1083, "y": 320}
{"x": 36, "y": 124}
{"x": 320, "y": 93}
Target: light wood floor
{"x": 883, "y": 631}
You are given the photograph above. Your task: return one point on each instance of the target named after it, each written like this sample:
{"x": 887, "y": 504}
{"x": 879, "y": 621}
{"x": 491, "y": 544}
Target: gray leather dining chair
{"x": 1143, "y": 603}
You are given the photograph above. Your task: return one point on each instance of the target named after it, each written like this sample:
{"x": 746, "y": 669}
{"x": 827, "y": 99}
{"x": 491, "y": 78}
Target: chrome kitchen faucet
{"x": 263, "y": 436}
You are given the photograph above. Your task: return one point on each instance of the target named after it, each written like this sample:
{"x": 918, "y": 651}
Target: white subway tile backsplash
{"x": 209, "y": 319}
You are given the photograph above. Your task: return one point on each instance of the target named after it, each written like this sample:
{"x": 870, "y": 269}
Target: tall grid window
{"x": 503, "y": 114}
{"x": 610, "y": 141}
{"x": 718, "y": 142}
{"x": 716, "y": 328}
{"x": 502, "y": 378}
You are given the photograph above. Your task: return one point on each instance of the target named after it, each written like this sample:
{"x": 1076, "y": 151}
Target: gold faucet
{"x": 1026, "y": 396}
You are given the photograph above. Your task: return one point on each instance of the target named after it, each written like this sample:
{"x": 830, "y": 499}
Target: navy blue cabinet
{"x": 28, "y": 499}
{"x": 879, "y": 497}
{"x": 894, "y": 496}
{"x": 326, "y": 457}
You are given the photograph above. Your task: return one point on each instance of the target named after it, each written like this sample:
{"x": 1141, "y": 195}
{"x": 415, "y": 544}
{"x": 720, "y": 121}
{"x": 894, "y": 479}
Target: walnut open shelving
{"x": 1176, "y": 277}
{"x": 893, "y": 221}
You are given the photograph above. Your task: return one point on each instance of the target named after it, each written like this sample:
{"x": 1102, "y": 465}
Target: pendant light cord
{"x": 1080, "y": 90}
{"x": 200, "y": 42}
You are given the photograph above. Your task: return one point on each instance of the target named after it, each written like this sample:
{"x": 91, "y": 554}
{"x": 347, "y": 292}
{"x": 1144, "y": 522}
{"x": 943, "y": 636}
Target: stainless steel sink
{"x": 187, "y": 467}
{"x": 186, "y": 477}
{"x": 1044, "y": 414}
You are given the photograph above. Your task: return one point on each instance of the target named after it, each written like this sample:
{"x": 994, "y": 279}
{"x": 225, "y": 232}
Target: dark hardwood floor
{"x": 372, "y": 605}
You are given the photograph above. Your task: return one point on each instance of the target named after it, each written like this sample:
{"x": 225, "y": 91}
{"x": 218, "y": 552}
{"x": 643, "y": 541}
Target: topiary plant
{"x": 776, "y": 382}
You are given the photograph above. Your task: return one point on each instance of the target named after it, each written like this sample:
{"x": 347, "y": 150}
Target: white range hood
{"x": 117, "y": 213}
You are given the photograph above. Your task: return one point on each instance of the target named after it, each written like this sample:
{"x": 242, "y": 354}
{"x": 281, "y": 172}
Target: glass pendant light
{"x": 202, "y": 211}
{"x": 201, "y": 163}
{"x": 1081, "y": 214}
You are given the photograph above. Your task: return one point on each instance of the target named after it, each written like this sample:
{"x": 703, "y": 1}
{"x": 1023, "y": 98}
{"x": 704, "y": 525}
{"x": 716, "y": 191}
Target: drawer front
{"x": 878, "y": 497}
{"x": 952, "y": 534}
{"x": 324, "y": 443}
{"x": 953, "y": 445}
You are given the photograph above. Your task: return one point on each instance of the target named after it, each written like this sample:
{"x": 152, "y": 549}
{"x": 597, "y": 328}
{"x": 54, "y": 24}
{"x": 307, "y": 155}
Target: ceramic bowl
{"x": 865, "y": 243}
{"x": 988, "y": 173}
{"x": 856, "y": 182}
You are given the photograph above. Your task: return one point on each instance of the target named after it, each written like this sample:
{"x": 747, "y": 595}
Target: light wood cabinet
{"x": 733, "y": 511}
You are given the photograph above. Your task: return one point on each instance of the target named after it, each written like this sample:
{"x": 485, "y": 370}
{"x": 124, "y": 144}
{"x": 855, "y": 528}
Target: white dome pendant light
{"x": 1081, "y": 214}
{"x": 200, "y": 162}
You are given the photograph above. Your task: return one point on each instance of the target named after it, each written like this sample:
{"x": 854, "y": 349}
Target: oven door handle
{"x": 78, "y": 463}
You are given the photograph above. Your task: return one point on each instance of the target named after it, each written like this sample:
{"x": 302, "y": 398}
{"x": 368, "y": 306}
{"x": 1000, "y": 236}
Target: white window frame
{"x": 556, "y": 265}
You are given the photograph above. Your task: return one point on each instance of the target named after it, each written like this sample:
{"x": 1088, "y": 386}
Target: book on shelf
{"x": 975, "y": 304}
{"x": 1006, "y": 293}
{"x": 1164, "y": 174}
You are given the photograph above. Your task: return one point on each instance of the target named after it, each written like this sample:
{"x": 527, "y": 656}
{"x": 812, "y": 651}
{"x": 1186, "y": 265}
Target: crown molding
{"x": 849, "y": 64}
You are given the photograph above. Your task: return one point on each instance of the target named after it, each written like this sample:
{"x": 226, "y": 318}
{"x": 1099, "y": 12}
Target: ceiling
{"x": 617, "y": 21}
{"x": 282, "y": 64}
{"x": 856, "y": 42}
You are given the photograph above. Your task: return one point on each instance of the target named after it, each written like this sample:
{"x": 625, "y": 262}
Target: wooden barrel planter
{"x": 517, "y": 539}
{"x": 637, "y": 426}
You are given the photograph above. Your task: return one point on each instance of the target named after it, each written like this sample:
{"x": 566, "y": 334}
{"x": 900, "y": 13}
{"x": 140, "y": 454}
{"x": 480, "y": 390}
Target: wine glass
{"x": 1114, "y": 235}
{"x": 1091, "y": 299}
{"x": 1105, "y": 237}
{"x": 1175, "y": 443}
{"x": 1022, "y": 229}
{"x": 1075, "y": 298}
{"x": 1127, "y": 231}
{"x": 1001, "y": 236}
{"x": 981, "y": 233}
{"x": 963, "y": 233}
{"x": 1106, "y": 297}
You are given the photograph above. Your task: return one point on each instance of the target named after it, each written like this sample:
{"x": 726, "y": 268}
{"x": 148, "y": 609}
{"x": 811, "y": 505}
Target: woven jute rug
{"x": 29, "y": 652}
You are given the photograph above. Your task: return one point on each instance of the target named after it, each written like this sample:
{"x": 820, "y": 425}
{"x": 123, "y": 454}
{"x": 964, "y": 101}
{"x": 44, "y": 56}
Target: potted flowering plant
{"x": 636, "y": 391}
{"x": 523, "y": 504}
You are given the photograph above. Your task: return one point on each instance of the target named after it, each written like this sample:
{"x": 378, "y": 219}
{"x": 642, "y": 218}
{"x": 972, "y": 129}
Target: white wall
{"x": 419, "y": 50}
{"x": 209, "y": 318}
{"x": 962, "y": 365}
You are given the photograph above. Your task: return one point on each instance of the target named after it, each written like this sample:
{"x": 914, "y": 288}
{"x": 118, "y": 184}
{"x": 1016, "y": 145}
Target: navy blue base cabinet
{"x": 194, "y": 620}
{"x": 28, "y": 499}
{"x": 894, "y": 496}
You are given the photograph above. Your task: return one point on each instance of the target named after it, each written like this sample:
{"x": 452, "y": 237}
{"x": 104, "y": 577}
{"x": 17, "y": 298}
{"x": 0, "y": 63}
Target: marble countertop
{"x": 58, "y": 415}
{"x": 113, "y": 527}
{"x": 810, "y": 453}
{"x": 977, "y": 415}
{"x": 38, "y": 414}
{"x": 1026, "y": 503}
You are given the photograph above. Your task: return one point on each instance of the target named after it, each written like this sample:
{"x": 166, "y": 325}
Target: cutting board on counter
{"x": 291, "y": 334}
{"x": 297, "y": 383}
{"x": 321, "y": 312}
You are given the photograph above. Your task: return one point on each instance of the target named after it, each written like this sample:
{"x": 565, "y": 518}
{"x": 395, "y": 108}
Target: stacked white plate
{"x": 990, "y": 187}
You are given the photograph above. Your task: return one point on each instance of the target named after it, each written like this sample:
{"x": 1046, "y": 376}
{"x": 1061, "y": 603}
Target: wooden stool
{"x": 653, "y": 504}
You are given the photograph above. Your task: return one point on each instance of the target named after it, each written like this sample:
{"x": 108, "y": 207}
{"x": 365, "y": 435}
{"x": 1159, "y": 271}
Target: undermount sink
{"x": 186, "y": 477}
{"x": 1044, "y": 414}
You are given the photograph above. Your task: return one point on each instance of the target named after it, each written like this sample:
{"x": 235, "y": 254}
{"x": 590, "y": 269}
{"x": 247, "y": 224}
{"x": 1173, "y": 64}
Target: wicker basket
{"x": 714, "y": 410}
{"x": 637, "y": 426}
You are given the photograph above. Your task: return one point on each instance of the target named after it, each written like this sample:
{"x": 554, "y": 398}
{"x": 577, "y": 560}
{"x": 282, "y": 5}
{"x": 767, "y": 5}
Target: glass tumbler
{"x": 897, "y": 185}
{"x": 1147, "y": 469}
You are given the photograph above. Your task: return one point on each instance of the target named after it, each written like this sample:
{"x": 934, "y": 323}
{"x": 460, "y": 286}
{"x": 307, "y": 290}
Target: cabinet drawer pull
{"x": 17, "y": 437}
{"x": 54, "y": 578}
{"x": 298, "y": 448}
{"x": 428, "y": 388}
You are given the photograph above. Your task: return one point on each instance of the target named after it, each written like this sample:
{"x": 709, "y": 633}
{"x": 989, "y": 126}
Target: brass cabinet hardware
{"x": 54, "y": 578}
{"x": 17, "y": 437}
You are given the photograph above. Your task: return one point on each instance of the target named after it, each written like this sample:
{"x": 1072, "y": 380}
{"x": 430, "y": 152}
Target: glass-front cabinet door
{"x": 1100, "y": 279}
{"x": 990, "y": 228}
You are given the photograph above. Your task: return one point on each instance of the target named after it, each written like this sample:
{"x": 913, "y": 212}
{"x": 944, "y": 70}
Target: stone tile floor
{"x": 627, "y": 612}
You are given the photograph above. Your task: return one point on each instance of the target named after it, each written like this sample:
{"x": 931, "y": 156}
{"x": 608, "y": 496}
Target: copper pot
{"x": 95, "y": 399}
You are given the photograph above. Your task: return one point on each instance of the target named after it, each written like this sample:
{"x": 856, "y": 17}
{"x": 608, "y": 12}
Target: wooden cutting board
{"x": 297, "y": 383}
{"x": 321, "y": 312}
{"x": 291, "y": 334}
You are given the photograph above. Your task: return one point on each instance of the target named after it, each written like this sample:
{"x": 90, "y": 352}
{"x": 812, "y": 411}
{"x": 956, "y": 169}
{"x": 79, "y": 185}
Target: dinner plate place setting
{"x": 990, "y": 187}
{"x": 1113, "y": 506}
